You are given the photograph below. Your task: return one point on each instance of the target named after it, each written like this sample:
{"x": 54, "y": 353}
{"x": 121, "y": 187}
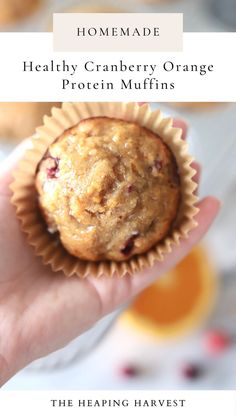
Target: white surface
{"x": 161, "y": 363}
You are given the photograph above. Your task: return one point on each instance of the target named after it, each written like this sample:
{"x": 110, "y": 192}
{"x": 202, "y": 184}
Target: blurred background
{"x": 199, "y": 15}
{"x": 180, "y": 333}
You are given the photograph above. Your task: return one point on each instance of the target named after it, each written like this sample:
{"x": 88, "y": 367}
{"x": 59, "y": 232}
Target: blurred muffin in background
{"x": 196, "y": 106}
{"x": 153, "y": 2}
{"x": 92, "y": 8}
{"x": 19, "y": 120}
{"x": 88, "y": 8}
{"x": 13, "y": 10}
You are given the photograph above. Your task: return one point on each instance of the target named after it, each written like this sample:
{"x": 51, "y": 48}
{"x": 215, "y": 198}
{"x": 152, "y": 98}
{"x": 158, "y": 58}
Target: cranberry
{"x": 158, "y": 164}
{"x": 191, "y": 371}
{"x": 130, "y": 188}
{"x": 53, "y": 167}
{"x": 217, "y": 341}
{"x": 129, "y": 371}
{"x": 129, "y": 244}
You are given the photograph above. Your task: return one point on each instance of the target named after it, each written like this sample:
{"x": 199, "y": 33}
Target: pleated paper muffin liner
{"x": 47, "y": 245}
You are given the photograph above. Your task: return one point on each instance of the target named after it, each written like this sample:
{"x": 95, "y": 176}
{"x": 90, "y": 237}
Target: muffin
{"x": 92, "y": 8}
{"x": 196, "y": 106}
{"x": 153, "y": 2}
{"x": 88, "y": 8}
{"x": 19, "y": 120}
{"x": 14, "y": 10}
{"x": 109, "y": 188}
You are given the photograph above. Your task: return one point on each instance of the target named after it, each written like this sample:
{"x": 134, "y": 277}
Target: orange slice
{"x": 179, "y": 301}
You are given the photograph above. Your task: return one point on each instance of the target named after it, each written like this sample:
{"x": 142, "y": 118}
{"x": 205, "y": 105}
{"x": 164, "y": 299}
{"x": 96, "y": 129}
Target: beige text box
{"x": 118, "y": 32}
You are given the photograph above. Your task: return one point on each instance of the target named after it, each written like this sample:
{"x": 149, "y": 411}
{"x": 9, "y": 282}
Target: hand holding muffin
{"x": 33, "y": 298}
{"x": 114, "y": 184}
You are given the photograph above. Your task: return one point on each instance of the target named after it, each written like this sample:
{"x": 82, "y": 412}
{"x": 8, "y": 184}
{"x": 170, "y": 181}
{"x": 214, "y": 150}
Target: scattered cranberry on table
{"x": 129, "y": 371}
{"x": 191, "y": 371}
{"x": 216, "y": 341}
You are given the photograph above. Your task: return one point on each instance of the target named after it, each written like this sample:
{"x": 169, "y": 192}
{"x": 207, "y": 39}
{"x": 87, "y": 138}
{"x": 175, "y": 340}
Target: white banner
{"x": 204, "y": 71}
{"x": 116, "y": 404}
